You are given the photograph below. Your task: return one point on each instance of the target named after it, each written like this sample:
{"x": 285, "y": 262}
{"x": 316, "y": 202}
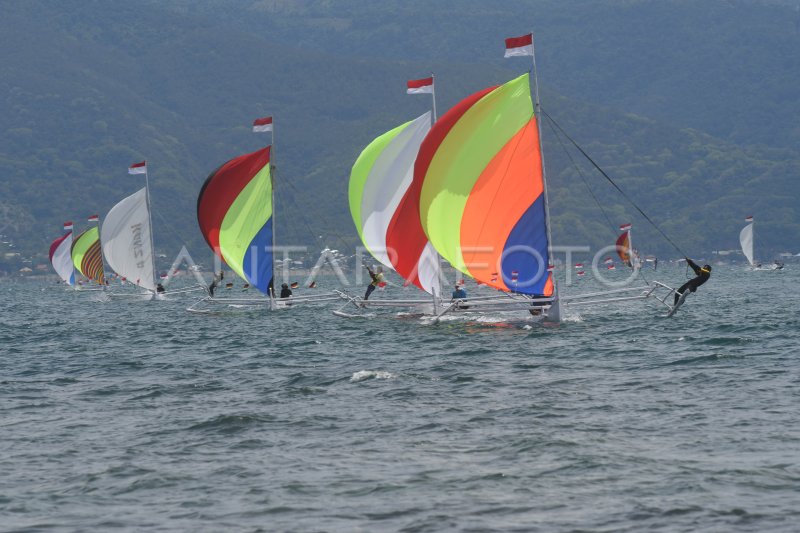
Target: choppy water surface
{"x": 138, "y": 415}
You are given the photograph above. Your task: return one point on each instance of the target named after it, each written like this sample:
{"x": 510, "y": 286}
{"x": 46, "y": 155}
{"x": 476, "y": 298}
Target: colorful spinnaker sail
{"x": 746, "y": 240}
{"x": 624, "y": 249}
{"x": 481, "y": 190}
{"x": 126, "y": 240}
{"x": 61, "y": 259}
{"x": 380, "y": 179}
{"x": 234, "y": 211}
{"x": 86, "y": 255}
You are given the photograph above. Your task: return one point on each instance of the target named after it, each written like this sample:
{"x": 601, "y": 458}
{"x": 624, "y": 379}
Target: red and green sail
{"x": 234, "y": 210}
{"x": 479, "y": 191}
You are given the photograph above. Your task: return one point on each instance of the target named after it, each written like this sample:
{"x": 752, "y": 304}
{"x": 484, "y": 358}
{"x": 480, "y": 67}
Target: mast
{"x": 537, "y": 112}
{"x": 150, "y": 221}
{"x": 272, "y": 202}
{"x": 437, "y": 298}
{"x": 433, "y": 98}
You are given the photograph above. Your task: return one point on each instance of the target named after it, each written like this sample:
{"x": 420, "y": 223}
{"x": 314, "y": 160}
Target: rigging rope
{"x": 611, "y": 181}
{"x": 611, "y": 225}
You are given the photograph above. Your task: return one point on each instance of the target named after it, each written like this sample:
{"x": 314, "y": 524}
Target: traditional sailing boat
{"x": 380, "y": 182}
{"x": 128, "y": 239}
{"x": 61, "y": 258}
{"x": 479, "y": 198}
{"x": 746, "y": 242}
{"x": 86, "y": 254}
{"x": 236, "y": 218}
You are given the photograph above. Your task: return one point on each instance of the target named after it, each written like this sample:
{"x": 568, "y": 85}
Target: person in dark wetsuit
{"x": 702, "y": 276}
{"x": 217, "y": 280}
{"x": 160, "y": 289}
{"x": 286, "y": 292}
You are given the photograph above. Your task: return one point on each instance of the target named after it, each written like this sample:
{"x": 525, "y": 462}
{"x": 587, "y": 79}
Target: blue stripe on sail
{"x": 257, "y": 265}
{"x": 524, "y": 268}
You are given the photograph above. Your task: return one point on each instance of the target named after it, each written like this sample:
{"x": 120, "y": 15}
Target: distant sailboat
{"x": 625, "y": 246}
{"x": 746, "y": 241}
{"x": 127, "y": 241}
{"x": 60, "y": 256}
{"x": 86, "y": 254}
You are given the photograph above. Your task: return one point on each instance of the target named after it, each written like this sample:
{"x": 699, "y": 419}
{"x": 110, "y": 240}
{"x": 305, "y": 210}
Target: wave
{"x": 363, "y": 375}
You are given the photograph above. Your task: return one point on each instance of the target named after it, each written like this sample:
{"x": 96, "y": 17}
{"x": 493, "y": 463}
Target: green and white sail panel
{"x": 126, "y": 240}
{"x": 379, "y": 182}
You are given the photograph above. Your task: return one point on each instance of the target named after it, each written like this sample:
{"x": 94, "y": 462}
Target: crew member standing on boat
{"x": 377, "y": 279}
{"x": 702, "y": 275}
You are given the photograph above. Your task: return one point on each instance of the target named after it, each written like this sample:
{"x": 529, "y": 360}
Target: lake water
{"x": 140, "y": 416}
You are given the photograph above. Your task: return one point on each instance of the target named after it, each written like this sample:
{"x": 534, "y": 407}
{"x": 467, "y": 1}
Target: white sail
{"x": 126, "y": 240}
{"x": 746, "y": 240}
{"x": 61, "y": 258}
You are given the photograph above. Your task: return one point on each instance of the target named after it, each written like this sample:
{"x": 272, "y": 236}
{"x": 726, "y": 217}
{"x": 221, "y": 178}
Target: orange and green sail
{"x": 234, "y": 210}
{"x": 480, "y": 190}
{"x": 86, "y": 255}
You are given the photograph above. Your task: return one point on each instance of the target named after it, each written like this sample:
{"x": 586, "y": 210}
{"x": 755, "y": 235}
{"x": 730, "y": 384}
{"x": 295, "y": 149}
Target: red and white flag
{"x": 625, "y": 227}
{"x": 68, "y": 226}
{"x": 138, "y": 168}
{"x": 425, "y": 85}
{"x": 748, "y": 219}
{"x": 262, "y": 125}
{"x": 519, "y": 46}
{"x": 94, "y": 218}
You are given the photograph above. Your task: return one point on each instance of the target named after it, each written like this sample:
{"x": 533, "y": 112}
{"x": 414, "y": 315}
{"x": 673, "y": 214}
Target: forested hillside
{"x": 691, "y": 106}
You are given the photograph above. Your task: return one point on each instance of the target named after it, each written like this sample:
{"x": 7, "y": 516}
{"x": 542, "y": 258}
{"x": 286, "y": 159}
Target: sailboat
{"x": 380, "y": 183}
{"x": 60, "y": 256}
{"x": 746, "y": 242}
{"x": 86, "y": 254}
{"x": 127, "y": 241}
{"x": 235, "y": 215}
{"x": 127, "y": 237}
{"x": 479, "y": 198}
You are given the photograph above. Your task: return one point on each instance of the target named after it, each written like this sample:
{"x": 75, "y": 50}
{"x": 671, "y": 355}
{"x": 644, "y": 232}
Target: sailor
{"x": 702, "y": 276}
{"x": 377, "y": 279}
{"x": 286, "y": 292}
{"x": 459, "y": 293}
{"x": 215, "y": 282}
{"x": 160, "y": 289}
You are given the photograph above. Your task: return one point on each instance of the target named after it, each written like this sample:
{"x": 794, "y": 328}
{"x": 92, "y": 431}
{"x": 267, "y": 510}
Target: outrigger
{"x": 471, "y": 190}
